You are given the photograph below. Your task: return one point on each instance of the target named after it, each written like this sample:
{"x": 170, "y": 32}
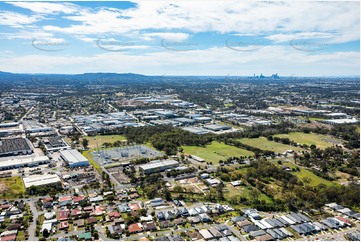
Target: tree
{"x": 85, "y": 143}
{"x": 46, "y": 233}
{"x": 178, "y": 189}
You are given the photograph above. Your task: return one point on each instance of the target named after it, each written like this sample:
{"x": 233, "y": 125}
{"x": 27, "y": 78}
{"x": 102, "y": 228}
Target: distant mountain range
{"x": 8, "y": 79}
{"x": 71, "y": 79}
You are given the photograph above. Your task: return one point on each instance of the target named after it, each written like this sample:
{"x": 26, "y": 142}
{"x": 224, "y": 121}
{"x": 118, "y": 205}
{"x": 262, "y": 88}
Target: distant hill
{"x": 72, "y": 79}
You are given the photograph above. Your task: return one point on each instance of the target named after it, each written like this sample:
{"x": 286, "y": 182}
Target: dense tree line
{"x": 329, "y": 160}
{"x": 257, "y": 151}
{"x": 163, "y": 137}
{"x": 346, "y": 132}
{"x": 177, "y": 172}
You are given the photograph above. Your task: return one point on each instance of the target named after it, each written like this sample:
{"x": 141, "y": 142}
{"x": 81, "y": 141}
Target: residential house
{"x": 135, "y": 228}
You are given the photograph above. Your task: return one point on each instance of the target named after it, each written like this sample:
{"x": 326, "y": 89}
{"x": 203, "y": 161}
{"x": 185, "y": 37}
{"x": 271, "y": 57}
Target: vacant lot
{"x": 11, "y": 187}
{"x": 216, "y": 151}
{"x": 99, "y": 140}
{"x": 264, "y": 144}
{"x": 321, "y": 141}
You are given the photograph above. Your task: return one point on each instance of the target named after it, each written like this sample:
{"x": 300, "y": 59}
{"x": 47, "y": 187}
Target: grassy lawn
{"x": 321, "y": 141}
{"x": 264, "y": 144}
{"x": 315, "y": 180}
{"x": 316, "y": 119}
{"x": 20, "y": 236}
{"x": 92, "y": 162}
{"x": 12, "y": 187}
{"x": 244, "y": 191}
{"x": 216, "y": 151}
{"x": 99, "y": 140}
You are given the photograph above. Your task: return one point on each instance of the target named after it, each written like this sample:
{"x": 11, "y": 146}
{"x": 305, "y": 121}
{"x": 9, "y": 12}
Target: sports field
{"x": 216, "y": 151}
{"x": 264, "y": 144}
{"x": 321, "y": 141}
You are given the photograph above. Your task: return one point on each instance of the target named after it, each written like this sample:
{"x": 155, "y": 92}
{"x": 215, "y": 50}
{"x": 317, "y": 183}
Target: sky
{"x": 183, "y": 37}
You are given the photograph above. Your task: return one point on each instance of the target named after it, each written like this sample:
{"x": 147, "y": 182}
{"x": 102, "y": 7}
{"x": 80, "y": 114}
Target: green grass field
{"x": 314, "y": 179}
{"x": 264, "y": 144}
{"x": 244, "y": 191}
{"x": 99, "y": 140}
{"x": 216, "y": 151}
{"x": 12, "y": 187}
{"x": 321, "y": 141}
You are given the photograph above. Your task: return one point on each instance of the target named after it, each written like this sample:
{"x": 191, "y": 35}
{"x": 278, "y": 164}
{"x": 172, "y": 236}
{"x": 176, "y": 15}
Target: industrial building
{"x": 16, "y": 163}
{"x": 73, "y": 158}
{"x": 196, "y": 130}
{"x": 41, "y": 180}
{"x": 158, "y": 166}
{"x": 17, "y": 146}
{"x": 55, "y": 143}
{"x": 340, "y": 121}
{"x": 217, "y": 127}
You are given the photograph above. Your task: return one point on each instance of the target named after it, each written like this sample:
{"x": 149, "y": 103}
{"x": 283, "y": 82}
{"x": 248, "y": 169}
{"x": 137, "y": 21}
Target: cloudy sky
{"x": 181, "y": 37}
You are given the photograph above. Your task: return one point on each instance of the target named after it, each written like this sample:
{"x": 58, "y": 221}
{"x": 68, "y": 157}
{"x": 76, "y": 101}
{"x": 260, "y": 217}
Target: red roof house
{"x": 63, "y": 215}
{"x": 135, "y": 228}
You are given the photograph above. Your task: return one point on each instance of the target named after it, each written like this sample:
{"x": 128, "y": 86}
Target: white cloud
{"x": 167, "y": 36}
{"x": 47, "y": 7}
{"x": 17, "y": 20}
{"x": 271, "y": 59}
{"x": 246, "y": 17}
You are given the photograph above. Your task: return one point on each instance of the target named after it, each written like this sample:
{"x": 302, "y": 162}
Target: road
{"x": 29, "y": 111}
{"x": 32, "y": 226}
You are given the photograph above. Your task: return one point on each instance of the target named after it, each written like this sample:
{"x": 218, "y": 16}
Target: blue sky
{"x": 181, "y": 37}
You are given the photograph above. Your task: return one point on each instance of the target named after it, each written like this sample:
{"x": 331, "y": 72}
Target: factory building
{"x": 158, "y": 166}
{"x": 73, "y": 158}
{"x": 24, "y": 162}
{"x": 41, "y": 180}
{"x": 217, "y": 127}
{"x": 17, "y": 146}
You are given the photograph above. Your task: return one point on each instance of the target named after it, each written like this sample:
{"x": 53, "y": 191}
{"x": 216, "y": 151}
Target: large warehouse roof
{"x": 73, "y": 156}
{"x": 19, "y": 162}
{"x": 12, "y": 145}
{"x": 159, "y": 164}
{"x": 40, "y": 180}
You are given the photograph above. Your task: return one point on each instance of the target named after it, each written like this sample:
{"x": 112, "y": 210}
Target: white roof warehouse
{"x": 158, "y": 166}
{"x": 73, "y": 158}
{"x": 40, "y": 180}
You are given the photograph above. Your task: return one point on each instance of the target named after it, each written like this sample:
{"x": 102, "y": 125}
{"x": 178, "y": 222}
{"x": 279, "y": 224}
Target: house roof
{"x": 64, "y": 198}
{"x": 134, "y": 228}
{"x": 76, "y": 212}
{"x": 149, "y": 226}
{"x": 194, "y": 235}
{"x": 91, "y": 220}
{"x": 85, "y": 236}
{"x": 79, "y": 222}
{"x": 243, "y": 223}
{"x": 249, "y": 228}
{"x": 64, "y": 225}
{"x": 8, "y": 238}
{"x": 114, "y": 214}
{"x": 134, "y": 206}
{"x": 77, "y": 199}
{"x": 63, "y": 215}
{"x": 265, "y": 237}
